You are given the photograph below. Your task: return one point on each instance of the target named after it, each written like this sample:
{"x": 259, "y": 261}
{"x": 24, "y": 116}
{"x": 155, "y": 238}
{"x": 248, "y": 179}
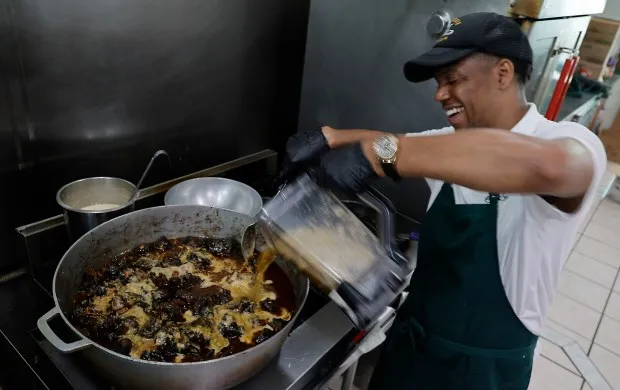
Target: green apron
{"x": 457, "y": 330}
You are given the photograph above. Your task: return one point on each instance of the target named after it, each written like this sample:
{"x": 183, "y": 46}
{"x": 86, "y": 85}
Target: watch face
{"x": 386, "y": 147}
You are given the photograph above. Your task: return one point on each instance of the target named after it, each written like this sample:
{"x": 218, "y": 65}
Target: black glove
{"x": 302, "y": 150}
{"x": 344, "y": 169}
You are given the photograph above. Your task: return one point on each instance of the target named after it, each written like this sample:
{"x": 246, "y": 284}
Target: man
{"x": 509, "y": 190}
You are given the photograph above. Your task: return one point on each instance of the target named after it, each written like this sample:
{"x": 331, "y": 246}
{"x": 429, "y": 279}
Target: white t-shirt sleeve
{"x": 599, "y": 158}
{"x": 442, "y": 131}
{"x": 434, "y": 185}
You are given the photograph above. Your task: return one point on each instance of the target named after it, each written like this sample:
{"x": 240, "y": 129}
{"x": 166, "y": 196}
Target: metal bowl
{"x": 216, "y": 192}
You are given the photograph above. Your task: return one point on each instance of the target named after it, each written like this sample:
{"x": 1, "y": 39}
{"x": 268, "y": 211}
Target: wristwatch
{"x": 386, "y": 149}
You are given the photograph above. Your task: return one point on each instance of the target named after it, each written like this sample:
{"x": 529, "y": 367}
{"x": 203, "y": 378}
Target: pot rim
{"x": 82, "y": 211}
{"x": 183, "y": 364}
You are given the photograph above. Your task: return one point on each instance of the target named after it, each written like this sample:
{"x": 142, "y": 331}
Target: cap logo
{"x": 445, "y": 35}
{"x": 449, "y": 31}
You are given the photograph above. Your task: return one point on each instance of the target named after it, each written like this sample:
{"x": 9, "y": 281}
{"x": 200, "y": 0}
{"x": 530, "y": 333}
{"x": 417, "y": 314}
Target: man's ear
{"x": 505, "y": 73}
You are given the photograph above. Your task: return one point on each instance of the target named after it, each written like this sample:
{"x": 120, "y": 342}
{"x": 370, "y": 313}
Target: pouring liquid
{"x": 263, "y": 262}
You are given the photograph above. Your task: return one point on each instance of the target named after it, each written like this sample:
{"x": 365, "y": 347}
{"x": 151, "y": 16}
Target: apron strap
{"x": 433, "y": 342}
{"x": 493, "y": 198}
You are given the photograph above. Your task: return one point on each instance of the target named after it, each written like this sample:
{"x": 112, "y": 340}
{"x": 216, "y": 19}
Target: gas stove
{"x": 317, "y": 343}
{"x": 320, "y": 341}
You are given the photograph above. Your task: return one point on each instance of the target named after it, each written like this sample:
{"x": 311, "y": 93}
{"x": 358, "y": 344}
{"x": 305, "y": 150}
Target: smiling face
{"x": 477, "y": 91}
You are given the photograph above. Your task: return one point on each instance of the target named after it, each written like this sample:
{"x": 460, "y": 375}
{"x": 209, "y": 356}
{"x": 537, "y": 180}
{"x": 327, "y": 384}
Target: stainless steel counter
{"x": 310, "y": 353}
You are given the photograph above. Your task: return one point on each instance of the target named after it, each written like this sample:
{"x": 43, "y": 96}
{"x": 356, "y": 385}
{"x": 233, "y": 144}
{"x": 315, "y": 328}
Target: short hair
{"x": 523, "y": 69}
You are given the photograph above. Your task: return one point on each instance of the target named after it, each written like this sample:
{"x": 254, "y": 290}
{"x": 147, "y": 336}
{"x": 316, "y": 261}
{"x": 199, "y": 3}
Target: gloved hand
{"x": 346, "y": 168}
{"x": 302, "y": 150}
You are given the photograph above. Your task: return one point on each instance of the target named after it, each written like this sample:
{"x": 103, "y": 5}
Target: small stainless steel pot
{"x": 77, "y": 196}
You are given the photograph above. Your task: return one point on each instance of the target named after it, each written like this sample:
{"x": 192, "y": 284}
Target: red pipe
{"x": 566, "y": 86}
{"x": 556, "y": 98}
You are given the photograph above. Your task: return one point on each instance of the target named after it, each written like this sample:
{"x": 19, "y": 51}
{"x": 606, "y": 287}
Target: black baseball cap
{"x": 485, "y": 32}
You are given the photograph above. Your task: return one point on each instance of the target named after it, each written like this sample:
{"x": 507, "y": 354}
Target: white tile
{"x": 575, "y": 316}
{"x": 591, "y": 269}
{"x": 556, "y": 354}
{"x": 586, "y": 221}
{"x": 608, "y": 335}
{"x": 583, "y": 290}
{"x": 586, "y": 387}
{"x": 606, "y": 219}
{"x": 609, "y": 207}
{"x": 583, "y": 342}
{"x": 599, "y": 251}
{"x": 576, "y": 241}
{"x": 613, "y": 306}
{"x": 617, "y": 285}
{"x": 583, "y": 226}
{"x": 608, "y": 364}
{"x": 603, "y": 234}
{"x": 609, "y": 175}
{"x": 546, "y": 375}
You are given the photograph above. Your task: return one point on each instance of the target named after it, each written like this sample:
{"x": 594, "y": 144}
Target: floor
{"x": 582, "y": 333}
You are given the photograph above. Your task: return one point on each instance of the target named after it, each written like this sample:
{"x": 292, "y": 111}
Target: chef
{"x": 509, "y": 190}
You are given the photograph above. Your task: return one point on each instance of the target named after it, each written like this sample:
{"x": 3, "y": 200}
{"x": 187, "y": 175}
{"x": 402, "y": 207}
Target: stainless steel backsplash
{"x": 93, "y": 88}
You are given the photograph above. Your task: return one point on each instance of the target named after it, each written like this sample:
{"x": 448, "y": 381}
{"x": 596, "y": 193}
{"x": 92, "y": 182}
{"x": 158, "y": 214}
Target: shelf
{"x": 599, "y": 45}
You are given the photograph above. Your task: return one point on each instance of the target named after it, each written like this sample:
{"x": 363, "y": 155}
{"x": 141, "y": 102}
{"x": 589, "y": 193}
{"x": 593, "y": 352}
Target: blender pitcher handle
{"x": 386, "y": 227}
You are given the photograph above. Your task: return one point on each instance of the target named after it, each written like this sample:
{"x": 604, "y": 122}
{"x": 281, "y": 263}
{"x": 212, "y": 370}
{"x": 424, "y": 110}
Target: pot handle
{"x": 386, "y": 228}
{"x": 48, "y": 333}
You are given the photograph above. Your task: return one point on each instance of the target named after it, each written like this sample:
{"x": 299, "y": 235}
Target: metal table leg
{"x": 349, "y": 376}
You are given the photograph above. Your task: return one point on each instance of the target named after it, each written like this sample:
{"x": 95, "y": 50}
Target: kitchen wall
{"x": 93, "y": 88}
{"x": 612, "y": 10}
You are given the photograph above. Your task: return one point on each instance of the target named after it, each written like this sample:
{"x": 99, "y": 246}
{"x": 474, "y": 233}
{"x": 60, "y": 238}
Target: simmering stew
{"x": 183, "y": 300}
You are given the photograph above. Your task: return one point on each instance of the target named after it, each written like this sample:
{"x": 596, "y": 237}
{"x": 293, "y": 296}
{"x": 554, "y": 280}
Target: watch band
{"x": 390, "y": 171}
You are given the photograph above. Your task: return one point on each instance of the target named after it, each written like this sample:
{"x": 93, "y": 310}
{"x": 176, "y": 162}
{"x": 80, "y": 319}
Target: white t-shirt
{"x": 533, "y": 237}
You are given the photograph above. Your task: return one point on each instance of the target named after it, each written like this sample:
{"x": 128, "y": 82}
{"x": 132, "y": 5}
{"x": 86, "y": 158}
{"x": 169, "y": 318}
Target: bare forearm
{"x": 339, "y": 138}
{"x": 493, "y": 161}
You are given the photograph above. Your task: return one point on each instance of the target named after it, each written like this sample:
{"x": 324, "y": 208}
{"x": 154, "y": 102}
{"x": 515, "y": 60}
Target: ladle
{"x": 146, "y": 171}
{"x": 248, "y": 242}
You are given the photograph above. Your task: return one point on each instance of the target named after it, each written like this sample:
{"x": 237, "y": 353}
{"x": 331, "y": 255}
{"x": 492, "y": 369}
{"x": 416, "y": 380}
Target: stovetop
{"x": 29, "y": 361}
{"x": 319, "y": 341}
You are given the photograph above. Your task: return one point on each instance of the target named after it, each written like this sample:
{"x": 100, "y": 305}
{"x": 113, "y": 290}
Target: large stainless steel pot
{"x": 126, "y": 232}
